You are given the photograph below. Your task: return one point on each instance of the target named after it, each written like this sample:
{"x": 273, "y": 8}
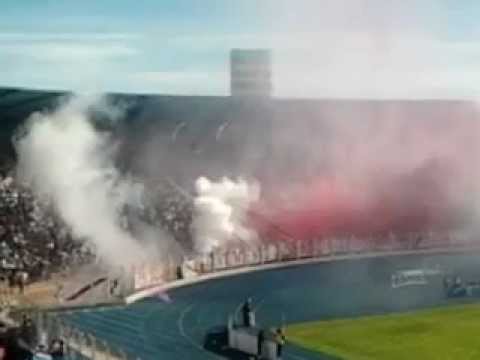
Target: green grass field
{"x": 451, "y": 332}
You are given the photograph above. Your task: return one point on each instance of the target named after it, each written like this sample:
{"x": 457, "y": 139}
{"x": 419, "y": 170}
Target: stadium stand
{"x": 213, "y": 136}
{"x": 226, "y": 135}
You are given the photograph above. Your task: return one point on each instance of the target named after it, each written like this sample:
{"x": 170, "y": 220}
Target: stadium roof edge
{"x": 58, "y": 92}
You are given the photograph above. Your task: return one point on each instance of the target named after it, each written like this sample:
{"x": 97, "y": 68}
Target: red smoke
{"x": 417, "y": 202}
{"x": 411, "y": 178}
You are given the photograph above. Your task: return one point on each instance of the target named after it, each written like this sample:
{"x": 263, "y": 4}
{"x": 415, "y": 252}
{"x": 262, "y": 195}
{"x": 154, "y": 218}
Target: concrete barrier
{"x": 152, "y": 290}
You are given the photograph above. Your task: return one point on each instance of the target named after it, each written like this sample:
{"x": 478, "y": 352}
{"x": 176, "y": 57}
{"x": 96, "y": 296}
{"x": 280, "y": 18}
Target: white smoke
{"x": 221, "y": 211}
{"x": 63, "y": 157}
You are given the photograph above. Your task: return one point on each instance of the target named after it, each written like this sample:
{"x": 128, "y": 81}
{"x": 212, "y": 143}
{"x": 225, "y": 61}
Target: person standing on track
{"x": 261, "y": 340}
{"x": 247, "y": 313}
{"x": 280, "y": 340}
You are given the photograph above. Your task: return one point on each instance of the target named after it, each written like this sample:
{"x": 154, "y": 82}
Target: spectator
{"x": 261, "y": 340}
{"x": 280, "y": 340}
{"x": 247, "y": 313}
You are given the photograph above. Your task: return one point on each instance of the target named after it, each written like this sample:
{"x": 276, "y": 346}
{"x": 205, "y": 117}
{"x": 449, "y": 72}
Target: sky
{"x": 321, "y": 48}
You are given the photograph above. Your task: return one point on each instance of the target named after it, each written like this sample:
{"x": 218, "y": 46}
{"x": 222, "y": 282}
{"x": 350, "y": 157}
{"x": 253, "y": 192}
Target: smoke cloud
{"x": 221, "y": 212}
{"x": 63, "y": 157}
{"x": 331, "y": 167}
{"x": 401, "y": 167}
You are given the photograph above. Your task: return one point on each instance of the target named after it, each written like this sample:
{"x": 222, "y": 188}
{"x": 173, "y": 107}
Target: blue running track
{"x": 185, "y": 328}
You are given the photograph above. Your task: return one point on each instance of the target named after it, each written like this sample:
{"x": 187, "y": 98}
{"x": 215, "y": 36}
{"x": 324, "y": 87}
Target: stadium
{"x": 233, "y": 227}
{"x": 311, "y": 268}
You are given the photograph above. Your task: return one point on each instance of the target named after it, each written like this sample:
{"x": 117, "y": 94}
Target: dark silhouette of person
{"x": 280, "y": 340}
{"x": 56, "y": 349}
{"x": 261, "y": 340}
{"x": 113, "y": 286}
{"x": 179, "y": 273}
{"x": 246, "y": 312}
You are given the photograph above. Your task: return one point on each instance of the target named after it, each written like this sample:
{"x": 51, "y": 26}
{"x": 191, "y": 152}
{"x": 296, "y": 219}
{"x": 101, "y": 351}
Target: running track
{"x": 154, "y": 330}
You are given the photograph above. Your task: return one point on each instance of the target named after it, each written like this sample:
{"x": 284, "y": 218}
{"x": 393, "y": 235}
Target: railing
{"x": 77, "y": 344}
{"x": 248, "y": 255}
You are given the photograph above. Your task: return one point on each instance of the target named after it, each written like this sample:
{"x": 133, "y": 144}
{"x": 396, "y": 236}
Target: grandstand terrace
{"x": 228, "y": 135}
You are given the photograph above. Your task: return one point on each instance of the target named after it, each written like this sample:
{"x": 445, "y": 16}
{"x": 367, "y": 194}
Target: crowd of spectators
{"x": 34, "y": 242}
{"x": 164, "y": 207}
{"x": 172, "y": 210}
